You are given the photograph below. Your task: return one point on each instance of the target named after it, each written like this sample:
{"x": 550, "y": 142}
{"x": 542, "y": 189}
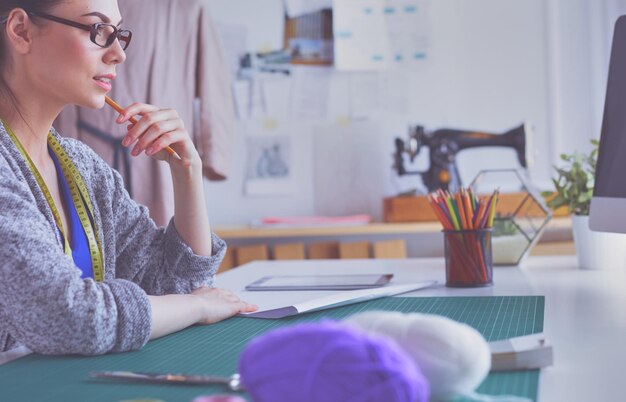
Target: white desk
{"x": 585, "y": 312}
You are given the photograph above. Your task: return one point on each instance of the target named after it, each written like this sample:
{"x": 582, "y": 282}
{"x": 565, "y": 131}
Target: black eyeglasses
{"x": 102, "y": 34}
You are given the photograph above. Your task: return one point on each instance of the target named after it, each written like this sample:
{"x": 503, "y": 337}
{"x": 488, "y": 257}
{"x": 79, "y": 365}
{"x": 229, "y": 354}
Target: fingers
{"x": 223, "y": 304}
{"x": 152, "y": 120}
{"x": 165, "y": 140}
{"x": 248, "y": 308}
{"x": 241, "y": 305}
{"x": 218, "y": 293}
{"x": 156, "y": 129}
{"x": 135, "y": 109}
{"x": 163, "y": 131}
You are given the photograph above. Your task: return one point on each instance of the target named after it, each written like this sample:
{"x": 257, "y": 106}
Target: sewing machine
{"x": 444, "y": 144}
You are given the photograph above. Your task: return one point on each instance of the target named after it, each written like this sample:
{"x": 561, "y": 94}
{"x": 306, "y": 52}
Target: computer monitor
{"x": 608, "y": 205}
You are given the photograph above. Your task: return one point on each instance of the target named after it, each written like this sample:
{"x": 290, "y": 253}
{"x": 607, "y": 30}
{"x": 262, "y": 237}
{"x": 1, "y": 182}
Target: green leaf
{"x": 575, "y": 180}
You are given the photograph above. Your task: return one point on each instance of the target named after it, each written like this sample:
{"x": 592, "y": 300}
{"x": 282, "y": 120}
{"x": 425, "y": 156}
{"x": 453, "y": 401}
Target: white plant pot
{"x": 598, "y": 250}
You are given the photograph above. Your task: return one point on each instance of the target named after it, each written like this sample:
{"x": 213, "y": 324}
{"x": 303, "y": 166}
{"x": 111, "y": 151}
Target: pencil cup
{"x": 468, "y": 258}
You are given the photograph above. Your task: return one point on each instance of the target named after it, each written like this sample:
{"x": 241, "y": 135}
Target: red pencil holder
{"x": 468, "y": 258}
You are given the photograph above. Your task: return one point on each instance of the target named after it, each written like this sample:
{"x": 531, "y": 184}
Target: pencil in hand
{"x": 119, "y": 109}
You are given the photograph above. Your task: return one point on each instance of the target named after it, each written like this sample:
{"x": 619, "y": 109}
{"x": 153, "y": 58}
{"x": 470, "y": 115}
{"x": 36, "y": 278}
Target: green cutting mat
{"x": 214, "y": 349}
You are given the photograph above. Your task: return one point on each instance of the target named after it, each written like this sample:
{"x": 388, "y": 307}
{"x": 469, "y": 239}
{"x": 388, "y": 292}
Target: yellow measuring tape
{"x": 80, "y": 197}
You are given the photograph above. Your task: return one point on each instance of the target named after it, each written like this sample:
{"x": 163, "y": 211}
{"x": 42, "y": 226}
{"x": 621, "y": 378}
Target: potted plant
{"x": 574, "y": 183}
{"x": 574, "y": 189}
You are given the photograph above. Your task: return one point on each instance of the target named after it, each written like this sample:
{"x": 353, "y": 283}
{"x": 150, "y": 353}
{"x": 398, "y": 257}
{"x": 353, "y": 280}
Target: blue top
{"x": 78, "y": 238}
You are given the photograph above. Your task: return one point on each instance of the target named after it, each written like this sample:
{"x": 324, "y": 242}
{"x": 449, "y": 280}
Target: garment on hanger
{"x": 176, "y": 60}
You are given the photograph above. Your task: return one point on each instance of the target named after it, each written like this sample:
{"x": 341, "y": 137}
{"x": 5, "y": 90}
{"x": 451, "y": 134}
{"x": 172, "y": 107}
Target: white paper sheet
{"x": 241, "y": 95}
{"x": 408, "y": 25}
{"x": 361, "y": 40}
{"x": 365, "y": 95}
{"x": 234, "y": 42}
{"x": 277, "y": 92}
{"x": 249, "y": 98}
{"x": 264, "y": 20}
{"x": 395, "y": 87}
{"x": 380, "y": 34}
{"x": 335, "y": 300}
{"x": 349, "y": 178}
{"x": 310, "y": 92}
{"x": 14, "y": 354}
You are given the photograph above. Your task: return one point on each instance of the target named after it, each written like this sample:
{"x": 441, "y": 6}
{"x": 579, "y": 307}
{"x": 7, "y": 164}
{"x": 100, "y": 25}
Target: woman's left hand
{"x": 157, "y": 129}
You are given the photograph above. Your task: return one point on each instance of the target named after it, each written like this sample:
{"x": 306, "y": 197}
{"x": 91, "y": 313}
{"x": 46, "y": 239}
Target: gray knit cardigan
{"x": 44, "y": 303}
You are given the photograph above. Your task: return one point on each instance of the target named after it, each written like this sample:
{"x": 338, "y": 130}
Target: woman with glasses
{"x": 83, "y": 269}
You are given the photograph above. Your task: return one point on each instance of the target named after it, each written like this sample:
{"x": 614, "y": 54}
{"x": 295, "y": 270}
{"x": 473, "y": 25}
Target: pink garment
{"x": 175, "y": 57}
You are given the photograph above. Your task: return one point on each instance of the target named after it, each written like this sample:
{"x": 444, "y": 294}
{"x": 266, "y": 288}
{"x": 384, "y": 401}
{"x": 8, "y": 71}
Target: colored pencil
{"x": 465, "y": 219}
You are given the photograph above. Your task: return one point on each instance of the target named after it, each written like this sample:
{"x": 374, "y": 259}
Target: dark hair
{"x": 5, "y": 8}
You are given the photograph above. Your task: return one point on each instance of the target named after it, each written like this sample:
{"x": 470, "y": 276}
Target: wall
{"x": 493, "y": 64}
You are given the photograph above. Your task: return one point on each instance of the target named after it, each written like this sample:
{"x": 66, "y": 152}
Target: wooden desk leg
{"x": 354, "y": 250}
{"x": 318, "y": 251}
{"x": 290, "y": 251}
{"x": 229, "y": 261}
{"x": 247, "y": 254}
{"x": 390, "y": 249}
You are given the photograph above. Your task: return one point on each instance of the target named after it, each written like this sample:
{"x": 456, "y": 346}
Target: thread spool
{"x": 329, "y": 362}
{"x": 454, "y": 357}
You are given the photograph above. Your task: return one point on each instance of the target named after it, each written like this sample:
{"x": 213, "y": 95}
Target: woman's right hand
{"x": 220, "y": 304}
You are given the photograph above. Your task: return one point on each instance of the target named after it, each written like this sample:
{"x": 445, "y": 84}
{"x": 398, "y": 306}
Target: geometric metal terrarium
{"x": 521, "y": 213}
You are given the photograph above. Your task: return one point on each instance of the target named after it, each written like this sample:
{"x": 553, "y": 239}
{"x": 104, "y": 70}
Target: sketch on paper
{"x": 269, "y": 166}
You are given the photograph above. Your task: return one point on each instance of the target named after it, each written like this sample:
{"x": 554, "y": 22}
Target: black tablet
{"x": 320, "y": 282}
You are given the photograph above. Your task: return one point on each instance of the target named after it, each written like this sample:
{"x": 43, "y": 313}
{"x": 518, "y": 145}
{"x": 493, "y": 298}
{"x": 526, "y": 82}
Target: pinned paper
{"x": 380, "y": 34}
{"x": 249, "y": 99}
{"x": 365, "y": 95}
{"x": 310, "y": 93}
{"x": 269, "y": 169}
{"x": 234, "y": 43}
{"x": 264, "y": 20}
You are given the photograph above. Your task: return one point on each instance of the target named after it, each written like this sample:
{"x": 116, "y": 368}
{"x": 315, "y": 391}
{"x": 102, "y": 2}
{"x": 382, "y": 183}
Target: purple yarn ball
{"x": 218, "y": 398}
{"x": 328, "y": 362}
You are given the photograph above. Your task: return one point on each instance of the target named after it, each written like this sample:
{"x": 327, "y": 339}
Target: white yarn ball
{"x": 453, "y": 356}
